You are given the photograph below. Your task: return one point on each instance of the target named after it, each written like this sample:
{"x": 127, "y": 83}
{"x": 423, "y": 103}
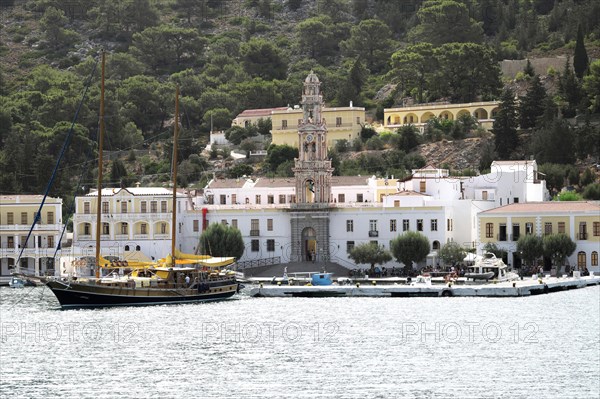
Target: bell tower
{"x": 312, "y": 169}
{"x": 313, "y": 172}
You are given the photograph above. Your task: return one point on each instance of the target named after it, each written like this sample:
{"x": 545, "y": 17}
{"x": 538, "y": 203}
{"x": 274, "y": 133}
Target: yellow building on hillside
{"x": 578, "y": 219}
{"x": 418, "y": 115}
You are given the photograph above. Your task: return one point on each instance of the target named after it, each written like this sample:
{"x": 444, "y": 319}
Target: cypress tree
{"x": 532, "y": 104}
{"x": 505, "y": 126}
{"x": 580, "y": 57}
{"x": 528, "y": 69}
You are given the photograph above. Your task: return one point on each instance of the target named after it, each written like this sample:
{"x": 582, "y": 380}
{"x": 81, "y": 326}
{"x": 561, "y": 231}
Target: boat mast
{"x": 174, "y": 169}
{"x": 99, "y": 185}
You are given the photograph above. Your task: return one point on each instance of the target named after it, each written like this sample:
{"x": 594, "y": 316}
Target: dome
{"x": 311, "y": 78}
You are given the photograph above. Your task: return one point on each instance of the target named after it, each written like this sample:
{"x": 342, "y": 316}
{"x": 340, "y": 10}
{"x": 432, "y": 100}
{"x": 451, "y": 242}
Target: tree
{"x": 580, "y": 57}
{"x": 591, "y": 85}
{"x": 554, "y": 143}
{"x": 452, "y": 253}
{"x": 505, "y": 126}
{"x": 445, "y": 21}
{"x": 409, "y": 138}
{"x": 315, "y": 38}
{"x": 263, "y": 59}
{"x": 369, "y": 40}
{"x": 371, "y": 254}
{"x": 220, "y": 240}
{"x": 491, "y": 247}
{"x": 570, "y": 91}
{"x": 53, "y": 24}
{"x": 240, "y": 170}
{"x": 530, "y": 247}
{"x": 531, "y": 107}
{"x": 558, "y": 247}
{"x": 592, "y": 192}
{"x": 118, "y": 174}
{"x": 236, "y": 134}
{"x": 278, "y": 154}
{"x": 410, "y": 247}
{"x": 413, "y": 66}
{"x": 528, "y": 70}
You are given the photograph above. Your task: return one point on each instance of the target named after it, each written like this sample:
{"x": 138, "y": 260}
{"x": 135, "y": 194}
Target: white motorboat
{"x": 16, "y": 282}
{"x": 490, "y": 268}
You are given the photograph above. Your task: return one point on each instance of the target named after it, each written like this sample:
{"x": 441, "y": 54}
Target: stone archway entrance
{"x": 309, "y": 245}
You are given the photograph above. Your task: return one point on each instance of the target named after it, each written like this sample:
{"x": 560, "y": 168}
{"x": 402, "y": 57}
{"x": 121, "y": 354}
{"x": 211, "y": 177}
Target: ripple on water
{"x": 543, "y": 346}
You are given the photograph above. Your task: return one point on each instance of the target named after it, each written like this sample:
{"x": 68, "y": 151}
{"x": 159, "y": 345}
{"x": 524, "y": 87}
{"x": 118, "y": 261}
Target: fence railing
{"x": 258, "y": 262}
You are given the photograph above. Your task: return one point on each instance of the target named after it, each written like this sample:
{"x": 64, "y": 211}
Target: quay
{"x": 517, "y": 288}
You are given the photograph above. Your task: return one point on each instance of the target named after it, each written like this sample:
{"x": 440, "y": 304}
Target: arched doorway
{"x": 309, "y": 245}
{"x": 309, "y": 185}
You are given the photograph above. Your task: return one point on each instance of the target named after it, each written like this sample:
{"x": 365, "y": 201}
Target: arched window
{"x": 138, "y": 248}
{"x": 126, "y": 247}
{"x": 594, "y": 258}
{"x": 435, "y": 245}
{"x": 581, "y": 261}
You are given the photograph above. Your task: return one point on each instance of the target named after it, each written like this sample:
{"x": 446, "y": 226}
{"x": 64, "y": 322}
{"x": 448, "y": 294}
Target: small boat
{"x": 490, "y": 268}
{"x": 17, "y": 282}
{"x": 421, "y": 280}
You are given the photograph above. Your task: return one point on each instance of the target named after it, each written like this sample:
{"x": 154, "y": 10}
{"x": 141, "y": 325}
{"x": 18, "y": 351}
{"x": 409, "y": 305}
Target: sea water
{"x": 546, "y": 346}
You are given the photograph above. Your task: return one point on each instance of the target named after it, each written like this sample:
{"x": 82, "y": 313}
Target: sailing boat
{"x": 177, "y": 278}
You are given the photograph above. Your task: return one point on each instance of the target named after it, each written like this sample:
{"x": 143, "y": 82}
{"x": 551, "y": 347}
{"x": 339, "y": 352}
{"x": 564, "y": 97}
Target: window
{"x": 10, "y": 218}
{"x": 433, "y": 224}
{"x": 350, "y": 225}
{"x": 581, "y": 262}
{"x": 163, "y": 228}
{"x": 163, "y": 206}
{"x": 124, "y": 228}
{"x": 349, "y": 246}
{"x": 393, "y": 225}
{"x": 358, "y": 120}
{"x": 51, "y": 245}
{"x": 258, "y": 199}
{"x": 50, "y": 218}
{"x": 269, "y": 224}
{"x": 484, "y": 195}
{"x": 502, "y": 232}
{"x": 196, "y": 225}
{"x": 143, "y": 207}
{"x": 123, "y": 206}
{"x": 153, "y": 207}
{"x": 87, "y": 229}
{"x": 528, "y": 228}
{"x": 224, "y": 222}
{"x": 143, "y": 228}
{"x": 594, "y": 258}
{"x": 105, "y": 228}
{"x": 561, "y": 227}
{"x": 210, "y": 198}
{"x": 405, "y": 225}
{"x": 234, "y": 223}
{"x": 596, "y": 229}
{"x": 516, "y": 200}
{"x": 396, "y": 203}
{"x": 254, "y": 246}
{"x": 282, "y": 198}
{"x": 284, "y": 124}
{"x": 270, "y": 245}
{"x": 254, "y": 229}
{"x": 270, "y": 199}
{"x": 372, "y": 225}
{"x": 450, "y": 224}
{"x": 489, "y": 230}
{"x": 422, "y": 186}
{"x": 582, "y": 230}
{"x": 419, "y": 224}
{"x": 341, "y": 198}
{"x": 24, "y": 218}
{"x": 292, "y": 198}
{"x": 223, "y": 199}
{"x": 86, "y": 208}
{"x": 359, "y": 198}
{"x": 338, "y": 121}
{"x": 547, "y": 228}
{"x": 233, "y": 199}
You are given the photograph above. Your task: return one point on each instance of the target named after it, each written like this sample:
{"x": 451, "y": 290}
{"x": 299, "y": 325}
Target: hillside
{"x": 238, "y": 54}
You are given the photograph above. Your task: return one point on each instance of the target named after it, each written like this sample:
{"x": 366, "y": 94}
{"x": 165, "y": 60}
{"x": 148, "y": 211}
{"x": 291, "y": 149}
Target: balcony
{"x": 373, "y": 233}
{"x": 254, "y": 233}
{"x": 582, "y": 236}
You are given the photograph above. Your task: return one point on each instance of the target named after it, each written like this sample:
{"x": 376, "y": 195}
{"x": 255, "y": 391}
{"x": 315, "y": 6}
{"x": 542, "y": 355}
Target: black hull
{"x": 78, "y": 296}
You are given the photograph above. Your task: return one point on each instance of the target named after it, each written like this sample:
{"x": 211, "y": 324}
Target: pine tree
{"x": 570, "y": 91}
{"x": 580, "y": 57}
{"x": 528, "y": 69}
{"x": 505, "y": 126}
{"x": 532, "y": 104}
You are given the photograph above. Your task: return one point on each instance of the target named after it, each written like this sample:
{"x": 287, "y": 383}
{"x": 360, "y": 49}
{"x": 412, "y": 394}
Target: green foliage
{"x": 531, "y": 107}
{"x": 409, "y": 138}
{"x": 505, "y": 126}
{"x": 452, "y": 253}
{"x": 591, "y": 85}
{"x": 278, "y": 154}
{"x": 366, "y": 132}
{"x": 554, "y": 143}
{"x": 370, "y": 253}
{"x": 240, "y": 170}
{"x": 494, "y": 249}
{"x": 410, "y": 247}
{"x": 220, "y": 240}
{"x": 262, "y": 59}
{"x": 588, "y": 177}
{"x": 558, "y": 247}
{"x": 374, "y": 143}
{"x": 371, "y": 41}
{"x": 592, "y": 192}
{"x": 580, "y": 57}
{"x": 530, "y": 247}
{"x": 568, "y": 196}
{"x": 53, "y": 24}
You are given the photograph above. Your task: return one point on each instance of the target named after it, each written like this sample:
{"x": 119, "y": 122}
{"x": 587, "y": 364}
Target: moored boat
{"x": 490, "y": 268}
